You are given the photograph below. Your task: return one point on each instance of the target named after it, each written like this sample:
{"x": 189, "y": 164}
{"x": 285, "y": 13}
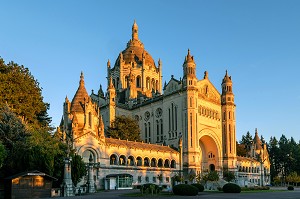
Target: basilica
{"x": 188, "y": 126}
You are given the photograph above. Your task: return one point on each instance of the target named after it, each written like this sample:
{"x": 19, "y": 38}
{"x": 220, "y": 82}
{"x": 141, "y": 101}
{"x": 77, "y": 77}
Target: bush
{"x": 231, "y": 188}
{"x": 150, "y": 188}
{"x": 200, "y": 187}
{"x": 290, "y": 188}
{"x": 185, "y": 190}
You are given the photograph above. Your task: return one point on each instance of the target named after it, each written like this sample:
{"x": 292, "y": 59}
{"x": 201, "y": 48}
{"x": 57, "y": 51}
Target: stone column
{"x": 68, "y": 188}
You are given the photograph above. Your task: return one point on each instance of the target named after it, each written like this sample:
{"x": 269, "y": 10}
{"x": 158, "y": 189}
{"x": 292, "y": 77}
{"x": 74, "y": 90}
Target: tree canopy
{"x": 27, "y": 148}
{"x": 124, "y": 127}
{"x": 25, "y": 137}
{"x": 22, "y": 93}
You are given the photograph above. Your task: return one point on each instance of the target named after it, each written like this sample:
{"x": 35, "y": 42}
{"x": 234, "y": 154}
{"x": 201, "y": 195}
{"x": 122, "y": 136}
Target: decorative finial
{"x": 135, "y": 31}
{"x": 81, "y": 82}
{"x": 108, "y": 63}
{"x": 205, "y": 75}
{"x": 188, "y": 51}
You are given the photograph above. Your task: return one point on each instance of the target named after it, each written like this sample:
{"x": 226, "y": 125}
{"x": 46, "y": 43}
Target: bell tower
{"x": 189, "y": 71}
{"x": 228, "y": 124}
{"x": 111, "y": 100}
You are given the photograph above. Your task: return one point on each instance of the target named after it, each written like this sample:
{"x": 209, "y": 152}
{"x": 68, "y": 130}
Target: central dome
{"x": 135, "y": 51}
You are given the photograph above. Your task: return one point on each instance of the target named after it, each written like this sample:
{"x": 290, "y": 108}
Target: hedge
{"x": 231, "y": 188}
{"x": 185, "y": 190}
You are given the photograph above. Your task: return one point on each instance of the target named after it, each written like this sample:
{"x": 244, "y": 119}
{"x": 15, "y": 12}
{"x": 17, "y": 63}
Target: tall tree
{"x": 13, "y": 135}
{"x": 21, "y": 91}
{"x": 124, "y": 127}
{"x": 247, "y": 139}
{"x": 78, "y": 168}
{"x": 29, "y": 149}
{"x": 241, "y": 150}
{"x": 274, "y": 157}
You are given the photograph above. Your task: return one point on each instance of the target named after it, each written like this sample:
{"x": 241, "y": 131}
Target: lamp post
{"x": 67, "y": 182}
{"x": 261, "y": 161}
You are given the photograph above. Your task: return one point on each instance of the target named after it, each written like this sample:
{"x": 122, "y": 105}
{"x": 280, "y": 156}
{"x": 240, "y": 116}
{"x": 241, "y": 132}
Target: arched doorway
{"x": 212, "y": 167}
{"x": 209, "y": 153}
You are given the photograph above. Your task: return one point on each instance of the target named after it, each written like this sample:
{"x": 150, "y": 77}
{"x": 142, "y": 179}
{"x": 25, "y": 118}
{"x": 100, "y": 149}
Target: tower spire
{"x": 81, "y": 82}
{"x": 135, "y": 31}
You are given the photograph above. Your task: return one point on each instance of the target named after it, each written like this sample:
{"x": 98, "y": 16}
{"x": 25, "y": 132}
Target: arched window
{"x": 173, "y": 164}
{"x": 122, "y": 160}
{"x": 153, "y": 162}
{"x": 139, "y": 161}
{"x": 146, "y": 162}
{"x": 130, "y": 161}
{"x": 148, "y": 83}
{"x": 167, "y": 163}
{"x": 90, "y": 119}
{"x": 138, "y": 81}
{"x": 160, "y": 163}
{"x": 113, "y": 159}
{"x": 153, "y": 84}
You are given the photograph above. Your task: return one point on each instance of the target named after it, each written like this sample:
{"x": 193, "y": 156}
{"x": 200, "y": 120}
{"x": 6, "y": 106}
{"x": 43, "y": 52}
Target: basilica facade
{"x": 187, "y": 126}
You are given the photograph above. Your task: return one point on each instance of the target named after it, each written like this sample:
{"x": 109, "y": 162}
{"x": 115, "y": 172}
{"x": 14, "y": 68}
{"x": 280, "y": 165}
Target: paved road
{"x": 207, "y": 195}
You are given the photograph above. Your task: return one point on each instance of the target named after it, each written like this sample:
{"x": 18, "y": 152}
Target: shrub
{"x": 231, "y": 188}
{"x": 150, "y": 188}
{"x": 290, "y": 188}
{"x": 200, "y": 187}
{"x": 185, "y": 190}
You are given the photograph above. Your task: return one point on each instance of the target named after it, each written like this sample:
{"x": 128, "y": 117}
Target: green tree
{"x": 28, "y": 148}
{"x": 274, "y": 158}
{"x": 13, "y": 135}
{"x": 211, "y": 176}
{"x": 21, "y": 91}
{"x": 43, "y": 150}
{"x": 78, "y": 168}
{"x": 247, "y": 139}
{"x": 124, "y": 127}
{"x": 241, "y": 150}
{"x": 228, "y": 176}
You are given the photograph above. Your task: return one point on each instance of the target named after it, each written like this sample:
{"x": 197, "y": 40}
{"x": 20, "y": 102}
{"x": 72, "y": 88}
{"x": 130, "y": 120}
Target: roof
{"x": 80, "y": 97}
{"x": 30, "y": 173}
{"x": 135, "y": 51}
{"x": 139, "y": 145}
{"x": 257, "y": 141}
{"x": 245, "y": 159}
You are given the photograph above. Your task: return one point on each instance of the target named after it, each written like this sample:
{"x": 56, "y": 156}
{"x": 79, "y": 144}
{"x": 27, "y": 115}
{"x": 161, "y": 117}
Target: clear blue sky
{"x": 258, "y": 42}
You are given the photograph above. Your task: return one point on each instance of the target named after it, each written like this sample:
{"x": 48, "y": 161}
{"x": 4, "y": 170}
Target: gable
{"x": 208, "y": 92}
{"x": 172, "y": 86}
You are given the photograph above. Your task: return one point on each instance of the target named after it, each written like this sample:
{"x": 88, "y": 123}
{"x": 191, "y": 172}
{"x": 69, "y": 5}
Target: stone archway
{"x": 210, "y": 153}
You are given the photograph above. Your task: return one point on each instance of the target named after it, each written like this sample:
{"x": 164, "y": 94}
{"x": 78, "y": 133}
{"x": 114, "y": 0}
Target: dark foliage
{"x": 290, "y": 188}
{"x": 200, "y": 187}
{"x": 150, "y": 188}
{"x": 231, "y": 188}
{"x": 123, "y": 128}
{"x": 22, "y": 93}
{"x": 185, "y": 190}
